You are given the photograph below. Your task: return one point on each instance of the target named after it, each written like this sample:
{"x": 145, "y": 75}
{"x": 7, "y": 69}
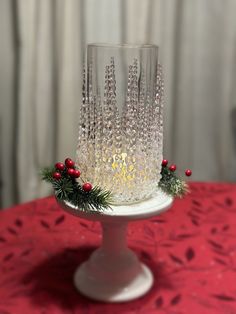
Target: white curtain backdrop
{"x": 41, "y": 53}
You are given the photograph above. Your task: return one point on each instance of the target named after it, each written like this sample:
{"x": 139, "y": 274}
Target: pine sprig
{"x": 171, "y": 184}
{"x": 69, "y": 189}
{"x": 96, "y": 200}
{"x": 63, "y": 188}
{"x": 47, "y": 174}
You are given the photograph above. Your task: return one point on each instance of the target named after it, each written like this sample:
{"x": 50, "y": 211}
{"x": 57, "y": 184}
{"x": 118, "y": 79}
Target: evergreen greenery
{"x": 171, "y": 184}
{"x": 68, "y": 189}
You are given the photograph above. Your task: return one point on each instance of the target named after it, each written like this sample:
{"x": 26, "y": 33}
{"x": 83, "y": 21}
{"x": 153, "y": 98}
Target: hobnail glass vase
{"x": 120, "y": 138}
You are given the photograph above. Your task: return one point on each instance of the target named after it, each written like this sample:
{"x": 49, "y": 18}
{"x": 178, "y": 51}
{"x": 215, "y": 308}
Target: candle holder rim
{"x": 122, "y": 46}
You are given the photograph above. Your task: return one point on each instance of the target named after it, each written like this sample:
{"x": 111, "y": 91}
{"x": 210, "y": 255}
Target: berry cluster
{"x": 68, "y": 169}
{"x": 173, "y": 168}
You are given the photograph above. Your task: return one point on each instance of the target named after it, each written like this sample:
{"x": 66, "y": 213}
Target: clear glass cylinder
{"x": 120, "y": 127}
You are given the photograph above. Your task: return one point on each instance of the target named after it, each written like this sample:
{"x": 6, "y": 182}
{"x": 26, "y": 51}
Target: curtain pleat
{"x": 41, "y": 65}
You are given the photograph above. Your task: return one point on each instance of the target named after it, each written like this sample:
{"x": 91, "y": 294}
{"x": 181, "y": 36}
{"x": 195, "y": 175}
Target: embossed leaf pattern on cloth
{"x": 191, "y": 250}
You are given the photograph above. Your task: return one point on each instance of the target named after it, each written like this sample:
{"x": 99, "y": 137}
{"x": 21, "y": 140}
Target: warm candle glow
{"x": 123, "y": 172}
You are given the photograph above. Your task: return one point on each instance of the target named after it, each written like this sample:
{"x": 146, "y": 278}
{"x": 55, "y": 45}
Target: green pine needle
{"x": 171, "y": 184}
{"x": 46, "y": 174}
{"x": 95, "y": 200}
{"x": 63, "y": 188}
{"x": 68, "y": 189}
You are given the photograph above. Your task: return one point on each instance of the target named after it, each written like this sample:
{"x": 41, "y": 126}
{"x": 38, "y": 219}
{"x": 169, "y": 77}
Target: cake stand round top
{"x": 147, "y": 208}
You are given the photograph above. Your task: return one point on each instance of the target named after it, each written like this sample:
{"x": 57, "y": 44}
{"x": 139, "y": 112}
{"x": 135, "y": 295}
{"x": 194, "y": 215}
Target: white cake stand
{"x": 113, "y": 272}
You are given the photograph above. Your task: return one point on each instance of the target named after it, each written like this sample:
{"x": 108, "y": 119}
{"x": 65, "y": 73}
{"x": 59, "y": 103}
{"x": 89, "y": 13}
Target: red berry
{"x": 69, "y": 163}
{"x": 87, "y": 187}
{"x": 76, "y": 173}
{"x": 188, "y": 172}
{"x": 71, "y": 172}
{"x": 164, "y": 162}
{"x": 59, "y": 166}
{"x": 172, "y": 168}
{"x": 56, "y": 175}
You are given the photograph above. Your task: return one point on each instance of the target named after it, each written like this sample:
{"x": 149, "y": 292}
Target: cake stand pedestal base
{"x": 108, "y": 292}
{"x": 113, "y": 273}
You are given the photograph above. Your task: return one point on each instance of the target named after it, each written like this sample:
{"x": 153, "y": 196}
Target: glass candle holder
{"x": 120, "y": 139}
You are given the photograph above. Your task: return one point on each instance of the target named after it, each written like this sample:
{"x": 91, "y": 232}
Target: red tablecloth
{"x": 191, "y": 250}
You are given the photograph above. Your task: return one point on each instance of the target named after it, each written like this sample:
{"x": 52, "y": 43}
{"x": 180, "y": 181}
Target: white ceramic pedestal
{"x": 113, "y": 272}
